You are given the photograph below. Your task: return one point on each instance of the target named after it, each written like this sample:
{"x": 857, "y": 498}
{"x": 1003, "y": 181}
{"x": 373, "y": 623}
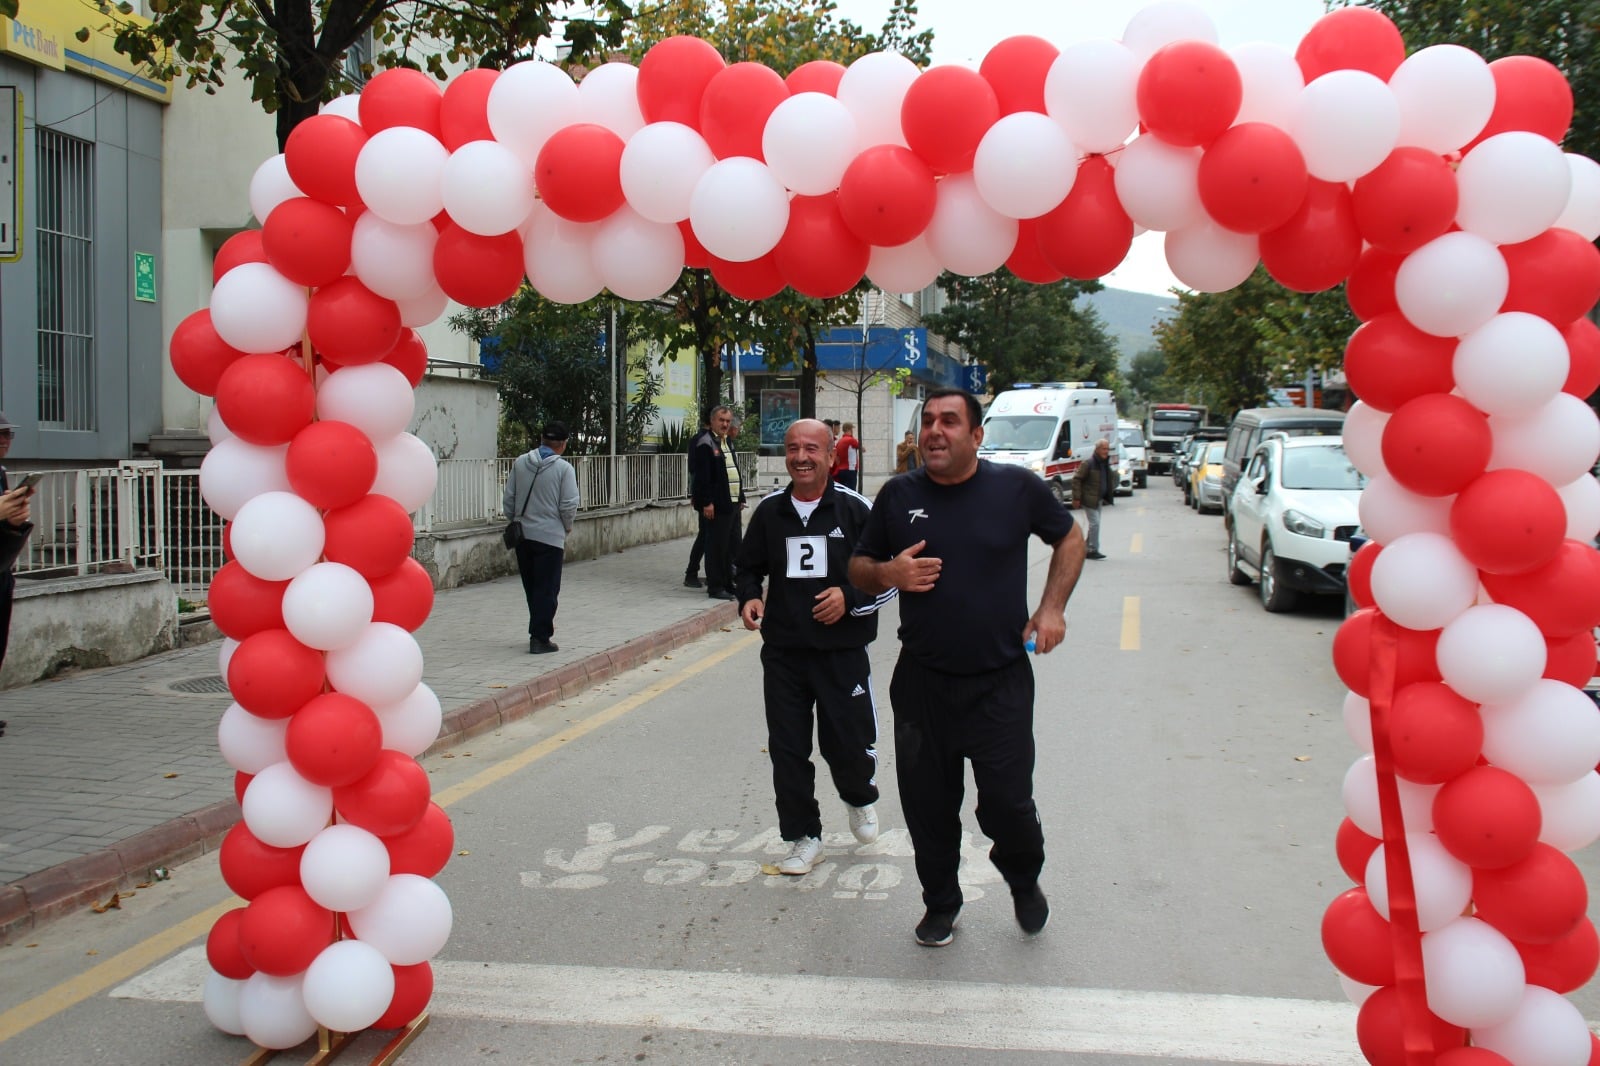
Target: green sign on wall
{"x": 144, "y": 277}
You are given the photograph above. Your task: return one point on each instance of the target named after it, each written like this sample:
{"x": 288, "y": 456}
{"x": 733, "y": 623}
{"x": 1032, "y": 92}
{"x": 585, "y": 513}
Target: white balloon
{"x": 1355, "y": 991}
{"x": 903, "y": 268}
{"x": 809, "y": 140}
{"x": 608, "y": 96}
{"x": 1443, "y": 883}
{"x": 220, "y": 999}
{"x": 486, "y": 188}
{"x": 276, "y": 535}
{"x": 967, "y": 235}
{"x": 383, "y": 665}
{"x": 1158, "y": 184}
{"x": 233, "y": 473}
{"x": 256, "y": 309}
{"x": 250, "y": 743}
{"x": 1511, "y": 365}
{"x": 1272, "y": 81}
{"x": 1389, "y": 511}
{"x": 327, "y": 606}
{"x": 225, "y": 649}
{"x": 348, "y": 986}
{"x": 1345, "y": 123}
{"x": 398, "y": 174}
{"x": 739, "y": 209}
{"x": 1546, "y": 1030}
{"x": 528, "y": 102}
{"x": 1550, "y": 735}
{"x": 407, "y": 471}
{"x": 1452, "y": 285}
{"x": 1582, "y": 213}
{"x": 1581, "y": 498}
{"x": 347, "y": 106}
{"x": 1558, "y": 442}
{"x": 1357, "y": 715}
{"x": 1025, "y": 165}
{"x": 273, "y": 1013}
{"x": 559, "y": 257}
{"x": 661, "y": 165}
{"x": 636, "y": 258}
{"x": 1091, "y": 90}
{"x": 1422, "y": 581}
{"x": 421, "y": 310}
{"x": 283, "y": 809}
{"x": 1513, "y": 187}
{"x": 1491, "y": 653}
{"x": 409, "y": 922}
{"x": 217, "y": 430}
{"x": 345, "y": 868}
{"x": 1159, "y": 24}
{"x": 1446, "y": 94}
{"x": 872, "y": 89}
{"x": 270, "y": 186}
{"x": 1363, "y": 438}
{"x": 392, "y": 260}
{"x": 411, "y": 725}
{"x": 1208, "y": 258}
{"x": 1360, "y": 795}
{"x": 1474, "y": 975}
{"x": 1570, "y": 814}
{"x": 375, "y": 398}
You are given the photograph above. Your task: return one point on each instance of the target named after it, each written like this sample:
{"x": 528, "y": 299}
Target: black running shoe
{"x": 937, "y": 928}
{"x": 1033, "y": 910}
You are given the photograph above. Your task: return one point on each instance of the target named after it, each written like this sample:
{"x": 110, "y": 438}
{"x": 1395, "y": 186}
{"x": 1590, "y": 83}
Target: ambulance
{"x": 1049, "y": 427}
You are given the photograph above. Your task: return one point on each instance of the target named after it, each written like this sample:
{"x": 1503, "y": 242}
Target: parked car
{"x": 1130, "y": 435}
{"x": 1251, "y": 426}
{"x": 1183, "y": 462}
{"x": 1124, "y": 468}
{"x": 1294, "y": 514}
{"x": 1204, "y": 492}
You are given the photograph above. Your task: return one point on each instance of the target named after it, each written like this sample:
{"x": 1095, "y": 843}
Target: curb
{"x": 40, "y": 898}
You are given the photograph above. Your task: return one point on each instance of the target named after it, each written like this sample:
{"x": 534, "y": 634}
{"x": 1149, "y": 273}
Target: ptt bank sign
{"x": 878, "y": 350}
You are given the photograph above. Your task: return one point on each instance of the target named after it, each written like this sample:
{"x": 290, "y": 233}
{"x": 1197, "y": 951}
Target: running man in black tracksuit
{"x": 815, "y": 629}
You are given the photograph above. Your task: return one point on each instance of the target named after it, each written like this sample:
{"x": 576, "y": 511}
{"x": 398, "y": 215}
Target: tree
{"x": 292, "y": 51}
{"x": 1147, "y": 376}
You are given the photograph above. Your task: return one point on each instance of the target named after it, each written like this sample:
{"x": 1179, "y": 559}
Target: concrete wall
{"x": 81, "y": 622}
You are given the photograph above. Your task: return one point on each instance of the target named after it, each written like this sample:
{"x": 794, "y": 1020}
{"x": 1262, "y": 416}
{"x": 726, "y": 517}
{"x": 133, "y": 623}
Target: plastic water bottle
{"x": 1031, "y": 646}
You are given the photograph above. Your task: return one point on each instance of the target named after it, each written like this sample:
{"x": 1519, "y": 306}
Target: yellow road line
{"x": 1137, "y": 544}
{"x": 1130, "y": 623}
{"x": 148, "y": 952}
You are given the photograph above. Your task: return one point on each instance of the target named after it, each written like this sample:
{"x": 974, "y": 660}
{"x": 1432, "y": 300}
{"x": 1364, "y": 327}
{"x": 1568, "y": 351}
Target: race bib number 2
{"x": 808, "y": 557}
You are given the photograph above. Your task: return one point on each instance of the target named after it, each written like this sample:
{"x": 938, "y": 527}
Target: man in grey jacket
{"x": 542, "y": 495}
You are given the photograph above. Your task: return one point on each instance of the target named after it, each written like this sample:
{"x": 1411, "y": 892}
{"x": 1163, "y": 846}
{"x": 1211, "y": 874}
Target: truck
{"x": 1050, "y": 427}
{"x": 1165, "y": 425}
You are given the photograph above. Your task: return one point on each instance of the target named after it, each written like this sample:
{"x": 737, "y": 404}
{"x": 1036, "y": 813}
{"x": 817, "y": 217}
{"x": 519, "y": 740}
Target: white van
{"x": 1049, "y": 427}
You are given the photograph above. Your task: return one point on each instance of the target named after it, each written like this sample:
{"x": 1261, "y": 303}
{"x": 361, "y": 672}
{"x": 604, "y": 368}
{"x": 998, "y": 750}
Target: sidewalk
{"x": 109, "y": 773}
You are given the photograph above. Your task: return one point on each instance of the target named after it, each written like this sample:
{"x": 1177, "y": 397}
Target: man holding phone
{"x": 14, "y": 528}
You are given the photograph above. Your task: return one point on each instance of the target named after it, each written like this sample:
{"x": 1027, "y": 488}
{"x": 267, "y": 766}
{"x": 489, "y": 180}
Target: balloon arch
{"x": 1432, "y": 183}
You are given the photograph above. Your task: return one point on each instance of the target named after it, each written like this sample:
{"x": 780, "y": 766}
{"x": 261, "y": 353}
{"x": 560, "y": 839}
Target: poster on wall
{"x": 779, "y": 407}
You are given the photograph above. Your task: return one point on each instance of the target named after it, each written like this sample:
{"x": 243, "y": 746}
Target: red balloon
{"x": 266, "y": 399}
{"x": 1355, "y": 938}
{"x": 735, "y": 107}
{"x": 1436, "y": 445}
{"x": 695, "y": 256}
{"x": 1370, "y": 289}
{"x": 1556, "y": 276}
{"x": 1016, "y": 69}
{"x": 756, "y": 279}
{"x": 403, "y": 597}
{"x": 241, "y": 781}
{"x": 400, "y": 96}
{"x": 1538, "y": 900}
{"x": 1027, "y": 260}
{"x": 331, "y": 464}
{"x": 222, "y": 947}
{"x": 283, "y": 930}
{"x": 1351, "y": 38}
{"x": 272, "y": 675}
{"x": 250, "y": 867}
{"x": 1389, "y": 362}
{"x": 944, "y": 115}
{"x": 1358, "y": 576}
{"x": 334, "y": 740}
{"x": 1564, "y": 964}
{"x": 1352, "y": 653}
{"x": 308, "y": 241}
{"x": 409, "y": 356}
{"x": 1583, "y": 348}
{"x": 1381, "y": 1024}
{"x": 817, "y": 76}
{"x": 476, "y": 270}
{"x": 413, "y": 987}
{"x": 1252, "y": 178}
{"x": 1571, "y": 659}
{"x": 578, "y": 172}
{"x": 242, "y": 604}
{"x": 673, "y": 76}
{"x": 198, "y": 355}
{"x": 464, "y": 108}
{"x": 372, "y": 536}
{"x": 1354, "y": 848}
{"x": 1508, "y": 522}
{"x": 1471, "y": 1056}
{"x": 425, "y": 848}
{"x": 243, "y": 247}
{"x": 320, "y": 155}
{"x": 887, "y": 195}
{"x": 1435, "y": 734}
{"x": 351, "y": 323}
{"x": 818, "y": 255}
{"x": 1562, "y": 596}
{"x": 389, "y": 799}
{"x": 1088, "y": 233}
{"x": 1529, "y": 94}
{"x": 1189, "y": 93}
{"x": 1406, "y": 201}
{"x": 1319, "y": 246}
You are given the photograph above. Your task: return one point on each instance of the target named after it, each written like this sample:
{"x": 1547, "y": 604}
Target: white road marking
{"x": 1212, "y": 1028}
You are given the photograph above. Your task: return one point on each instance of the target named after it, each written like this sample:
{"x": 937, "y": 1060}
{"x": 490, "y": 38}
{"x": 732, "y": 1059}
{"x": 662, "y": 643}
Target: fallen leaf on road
{"x": 1302, "y": 758}
{"x": 114, "y": 903}
{"x": 169, "y": 777}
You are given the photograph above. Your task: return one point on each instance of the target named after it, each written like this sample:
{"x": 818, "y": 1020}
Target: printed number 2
{"x": 808, "y": 557}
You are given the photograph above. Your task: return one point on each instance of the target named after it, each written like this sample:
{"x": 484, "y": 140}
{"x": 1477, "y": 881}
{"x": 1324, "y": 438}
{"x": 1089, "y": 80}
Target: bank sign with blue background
{"x": 882, "y": 350}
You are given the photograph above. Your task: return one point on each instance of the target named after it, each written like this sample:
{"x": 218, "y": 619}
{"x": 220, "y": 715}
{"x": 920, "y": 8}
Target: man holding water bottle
{"x": 952, "y": 537}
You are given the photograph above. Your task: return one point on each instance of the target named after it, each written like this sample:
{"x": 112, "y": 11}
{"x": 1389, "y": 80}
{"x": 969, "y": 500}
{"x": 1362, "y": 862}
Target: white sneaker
{"x": 864, "y": 823}
{"x": 803, "y": 855}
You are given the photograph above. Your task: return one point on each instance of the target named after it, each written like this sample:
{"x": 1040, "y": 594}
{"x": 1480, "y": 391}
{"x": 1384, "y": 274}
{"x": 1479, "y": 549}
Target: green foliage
{"x": 1147, "y": 377}
{"x": 675, "y": 438}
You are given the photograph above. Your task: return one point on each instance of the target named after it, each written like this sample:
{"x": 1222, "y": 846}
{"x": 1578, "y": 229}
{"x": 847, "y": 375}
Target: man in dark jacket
{"x": 1094, "y": 484}
{"x": 815, "y": 629}
{"x": 719, "y": 496}
{"x": 697, "y": 550}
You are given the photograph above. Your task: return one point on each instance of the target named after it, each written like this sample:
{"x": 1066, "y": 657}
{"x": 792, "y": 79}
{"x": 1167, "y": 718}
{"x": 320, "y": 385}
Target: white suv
{"x": 1294, "y": 511}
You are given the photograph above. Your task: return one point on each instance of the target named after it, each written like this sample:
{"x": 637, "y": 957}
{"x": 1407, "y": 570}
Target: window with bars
{"x": 358, "y": 58}
{"x": 65, "y": 242}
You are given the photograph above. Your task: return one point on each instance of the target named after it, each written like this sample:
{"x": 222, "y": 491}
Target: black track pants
{"x": 839, "y": 685}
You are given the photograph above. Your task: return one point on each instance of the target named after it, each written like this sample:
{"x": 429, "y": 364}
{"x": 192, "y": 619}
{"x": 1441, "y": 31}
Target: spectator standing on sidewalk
{"x": 907, "y": 456}
{"x": 14, "y": 530}
{"x": 815, "y": 629}
{"x": 847, "y": 457}
{"x": 546, "y": 486}
{"x": 719, "y": 497}
{"x": 1093, "y": 485}
{"x": 697, "y": 550}
{"x": 953, "y": 539}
